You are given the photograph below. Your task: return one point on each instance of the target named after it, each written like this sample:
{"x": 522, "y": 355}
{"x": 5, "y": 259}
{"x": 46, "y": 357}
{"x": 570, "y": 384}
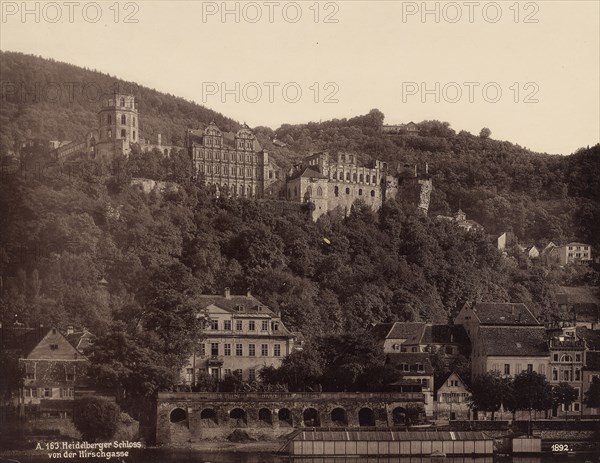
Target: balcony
{"x": 215, "y": 361}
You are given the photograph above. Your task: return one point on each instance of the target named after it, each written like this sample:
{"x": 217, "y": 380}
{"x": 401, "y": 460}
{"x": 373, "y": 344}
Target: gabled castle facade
{"x": 236, "y": 165}
{"x": 232, "y": 164}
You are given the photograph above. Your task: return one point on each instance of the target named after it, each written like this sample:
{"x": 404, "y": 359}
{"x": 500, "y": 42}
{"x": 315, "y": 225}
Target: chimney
{"x": 426, "y": 167}
{"x": 159, "y": 139}
{"x": 248, "y": 293}
{"x": 70, "y": 329}
{"x": 227, "y": 293}
{"x": 451, "y": 337}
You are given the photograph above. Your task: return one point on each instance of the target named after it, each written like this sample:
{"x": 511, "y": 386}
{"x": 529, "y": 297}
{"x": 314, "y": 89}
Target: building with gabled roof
{"x": 510, "y": 350}
{"x": 241, "y": 336}
{"x": 53, "y": 369}
{"x": 452, "y": 398}
{"x": 505, "y": 337}
{"x": 571, "y": 253}
{"x": 232, "y": 164}
{"x": 401, "y": 336}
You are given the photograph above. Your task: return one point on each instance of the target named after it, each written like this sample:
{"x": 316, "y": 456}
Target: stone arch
{"x": 284, "y": 415}
{"x": 177, "y": 415}
{"x": 238, "y": 416}
{"x": 209, "y": 415}
{"x": 265, "y": 416}
{"x": 319, "y": 191}
{"x": 366, "y": 417}
{"x": 399, "y": 416}
{"x": 311, "y": 418}
{"x": 339, "y": 417}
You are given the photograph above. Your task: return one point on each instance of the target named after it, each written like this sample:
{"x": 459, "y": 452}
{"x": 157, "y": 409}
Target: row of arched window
{"x": 336, "y": 191}
{"x": 248, "y": 191}
{"x": 226, "y": 156}
{"x": 230, "y": 171}
{"x": 123, "y": 119}
{"x": 354, "y": 177}
{"x": 109, "y": 134}
{"x": 311, "y": 417}
{"x": 310, "y": 192}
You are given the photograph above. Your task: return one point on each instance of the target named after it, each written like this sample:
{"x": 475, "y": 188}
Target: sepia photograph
{"x": 352, "y": 231}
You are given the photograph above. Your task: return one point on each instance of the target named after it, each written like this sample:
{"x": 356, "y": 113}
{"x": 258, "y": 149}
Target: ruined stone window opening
{"x": 265, "y": 415}
{"x": 178, "y": 415}
{"x": 339, "y": 417}
{"x": 209, "y": 414}
{"x": 366, "y": 417}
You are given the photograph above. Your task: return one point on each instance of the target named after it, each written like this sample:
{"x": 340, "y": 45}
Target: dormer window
{"x": 420, "y": 367}
{"x": 53, "y": 346}
{"x": 275, "y": 326}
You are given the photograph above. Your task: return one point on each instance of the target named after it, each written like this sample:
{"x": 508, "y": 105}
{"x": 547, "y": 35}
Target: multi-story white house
{"x": 242, "y": 336}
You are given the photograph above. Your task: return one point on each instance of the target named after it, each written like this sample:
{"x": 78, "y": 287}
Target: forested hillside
{"x": 503, "y": 186}
{"x": 89, "y": 249}
{"x": 51, "y": 100}
{"x": 84, "y": 247}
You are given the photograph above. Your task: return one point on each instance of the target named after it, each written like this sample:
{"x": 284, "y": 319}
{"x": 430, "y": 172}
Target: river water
{"x": 182, "y": 456}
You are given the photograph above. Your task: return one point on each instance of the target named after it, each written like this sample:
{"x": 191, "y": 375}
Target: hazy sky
{"x": 530, "y": 71}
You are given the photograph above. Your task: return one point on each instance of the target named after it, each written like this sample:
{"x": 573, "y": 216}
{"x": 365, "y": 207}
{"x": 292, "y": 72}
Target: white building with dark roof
{"x": 505, "y": 337}
{"x": 242, "y": 336}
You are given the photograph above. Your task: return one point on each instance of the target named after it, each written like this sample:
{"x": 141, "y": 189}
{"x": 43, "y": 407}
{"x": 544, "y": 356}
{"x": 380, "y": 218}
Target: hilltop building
{"x": 242, "y": 336}
{"x": 401, "y": 129}
{"x": 118, "y": 129}
{"x": 460, "y": 219}
{"x": 571, "y": 253}
{"x": 329, "y": 182}
{"x": 232, "y": 164}
{"x": 326, "y": 182}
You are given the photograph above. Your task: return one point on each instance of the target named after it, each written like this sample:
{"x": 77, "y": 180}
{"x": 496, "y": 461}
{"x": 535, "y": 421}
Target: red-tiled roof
{"x": 490, "y": 313}
{"x": 236, "y": 304}
{"x": 381, "y": 330}
{"x": 411, "y": 331}
{"x": 515, "y": 340}
{"x": 21, "y": 340}
{"x": 307, "y": 172}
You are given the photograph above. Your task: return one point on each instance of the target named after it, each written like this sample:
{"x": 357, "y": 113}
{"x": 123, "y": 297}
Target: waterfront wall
{"x": 185, "y": 417}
